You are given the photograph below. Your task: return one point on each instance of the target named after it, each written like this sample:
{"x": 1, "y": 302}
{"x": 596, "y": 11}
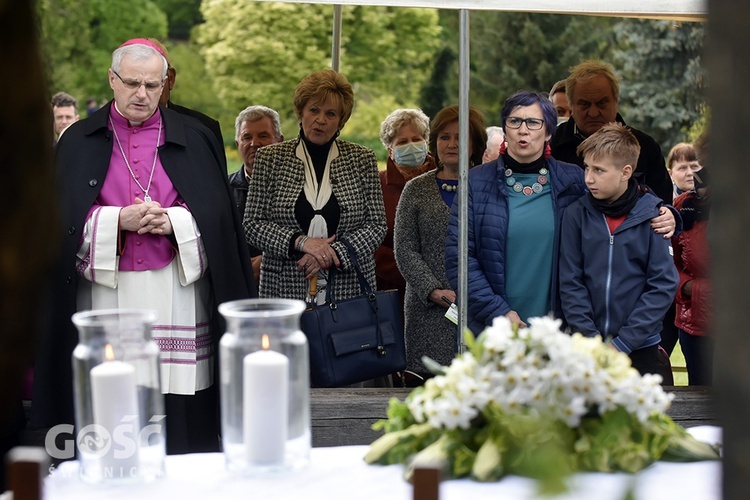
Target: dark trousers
{"x": 193, "y": 422}
{"x": 645, "y": 360}
{"x": 669, "y": 330}
{"x": 699, "y": 353}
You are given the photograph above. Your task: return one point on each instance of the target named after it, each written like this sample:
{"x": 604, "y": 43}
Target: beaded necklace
{"x": 535, "y": 188}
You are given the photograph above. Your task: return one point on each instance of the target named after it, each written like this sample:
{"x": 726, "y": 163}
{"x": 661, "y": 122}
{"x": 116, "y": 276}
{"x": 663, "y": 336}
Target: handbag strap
{"x": 364, "y": 287}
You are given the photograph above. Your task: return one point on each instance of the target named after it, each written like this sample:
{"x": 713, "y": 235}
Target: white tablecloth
{"x": 340, "y": 473}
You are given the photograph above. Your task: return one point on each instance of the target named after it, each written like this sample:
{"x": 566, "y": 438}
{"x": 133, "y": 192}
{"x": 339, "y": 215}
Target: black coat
{"x": 651, "y": 169}
{"x": 194, "y": 163}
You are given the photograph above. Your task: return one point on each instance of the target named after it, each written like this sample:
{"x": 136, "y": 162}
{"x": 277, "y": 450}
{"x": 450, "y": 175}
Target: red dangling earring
{"x": 503, "y": 147}
{"x": 547, "y": 150}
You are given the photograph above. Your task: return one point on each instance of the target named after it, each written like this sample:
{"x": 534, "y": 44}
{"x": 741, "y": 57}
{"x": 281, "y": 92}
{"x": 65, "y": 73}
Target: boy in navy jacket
{"x": 617, "y": 277}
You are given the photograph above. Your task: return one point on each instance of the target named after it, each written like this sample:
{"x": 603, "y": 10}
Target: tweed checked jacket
{"x": 269, "y": 221}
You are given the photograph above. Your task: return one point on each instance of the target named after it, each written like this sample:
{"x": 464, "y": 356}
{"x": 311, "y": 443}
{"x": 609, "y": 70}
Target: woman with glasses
{"x": 515, "y": 207}
{"x": 419, "y": 242}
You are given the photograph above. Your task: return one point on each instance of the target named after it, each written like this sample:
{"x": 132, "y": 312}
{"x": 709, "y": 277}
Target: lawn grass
{"x": 678, "y": 366}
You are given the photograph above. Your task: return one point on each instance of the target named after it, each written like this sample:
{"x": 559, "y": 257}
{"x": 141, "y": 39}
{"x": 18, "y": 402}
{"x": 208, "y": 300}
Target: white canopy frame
{"x": 677, "y": 10}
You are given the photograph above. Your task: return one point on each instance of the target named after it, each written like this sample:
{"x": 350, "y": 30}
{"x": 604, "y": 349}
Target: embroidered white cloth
{"x": 180, "y": 294}
{"x": 341, "y": 473}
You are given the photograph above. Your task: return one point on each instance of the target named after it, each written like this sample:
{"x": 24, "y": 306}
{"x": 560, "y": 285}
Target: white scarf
{"x": 317, "y": 194}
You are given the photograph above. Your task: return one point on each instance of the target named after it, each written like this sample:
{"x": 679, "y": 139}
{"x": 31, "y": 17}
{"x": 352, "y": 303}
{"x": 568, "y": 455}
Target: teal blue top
{"x": 529, "y": 249}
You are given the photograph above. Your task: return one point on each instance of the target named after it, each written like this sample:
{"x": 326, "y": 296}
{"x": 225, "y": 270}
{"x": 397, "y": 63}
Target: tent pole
{"x": 336, "y": 38}
{"x": 463, "y": 174}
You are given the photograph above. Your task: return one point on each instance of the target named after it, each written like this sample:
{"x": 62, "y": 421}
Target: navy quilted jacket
{"x": 488, "y": 224}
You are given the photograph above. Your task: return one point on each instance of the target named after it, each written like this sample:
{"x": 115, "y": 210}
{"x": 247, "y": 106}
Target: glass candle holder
{"x": 119, "y": 406}
{"x": 265, "y": 386}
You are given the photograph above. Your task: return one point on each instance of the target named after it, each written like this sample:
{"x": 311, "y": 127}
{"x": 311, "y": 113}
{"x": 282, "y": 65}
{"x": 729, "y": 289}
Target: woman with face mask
{"x": 419, "y": 242}
{"x": 404, "y": 133}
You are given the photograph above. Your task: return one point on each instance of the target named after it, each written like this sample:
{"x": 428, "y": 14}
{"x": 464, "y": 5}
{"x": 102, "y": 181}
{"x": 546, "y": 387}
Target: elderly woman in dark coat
{"x": 419, "y": 239}
{"x": 308, "y": 194}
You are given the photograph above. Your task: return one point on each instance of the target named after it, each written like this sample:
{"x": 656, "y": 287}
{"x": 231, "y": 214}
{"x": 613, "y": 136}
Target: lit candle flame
{"x": 109, "y": 353}
{"x": 265, "y": 343}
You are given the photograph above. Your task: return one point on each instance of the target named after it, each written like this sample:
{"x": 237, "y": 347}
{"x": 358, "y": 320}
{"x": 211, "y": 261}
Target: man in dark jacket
{"x": 144, "y": 187}
{"x": 593, "y": 92}
{"x": 255, "y": 127}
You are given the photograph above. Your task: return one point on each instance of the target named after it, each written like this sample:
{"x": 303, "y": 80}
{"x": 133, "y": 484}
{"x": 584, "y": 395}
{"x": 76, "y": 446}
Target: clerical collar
{"x": 132, "y": 123}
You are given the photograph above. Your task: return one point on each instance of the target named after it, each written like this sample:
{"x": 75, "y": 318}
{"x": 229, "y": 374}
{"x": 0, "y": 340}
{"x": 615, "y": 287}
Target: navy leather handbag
{"x": 356, "y": 339}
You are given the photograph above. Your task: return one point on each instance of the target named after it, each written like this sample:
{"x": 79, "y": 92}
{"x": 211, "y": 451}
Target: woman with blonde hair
{"x": 309, "y": 193}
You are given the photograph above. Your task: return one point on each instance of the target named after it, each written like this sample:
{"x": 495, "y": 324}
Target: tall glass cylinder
{"x": 118, "y": 401}
{"x": 265, "y": 386}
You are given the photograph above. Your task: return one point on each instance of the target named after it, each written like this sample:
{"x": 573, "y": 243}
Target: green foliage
{"x": 78, "y": 37}
{"x": 182, "y": 16}
{"x": 663, "y": 81}
{"x": 256, "y": 53}
{"x": 512, "y": 51}
{"x": 386, "y": 54}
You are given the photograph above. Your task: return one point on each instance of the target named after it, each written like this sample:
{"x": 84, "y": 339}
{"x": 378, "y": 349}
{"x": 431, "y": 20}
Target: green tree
{"x": 182, "y": 16}
{"x": 258, "y": 53}
{"x": 78, "y": 37}
{"x": 663, "y": 81}
{"x": 512, "y": 51}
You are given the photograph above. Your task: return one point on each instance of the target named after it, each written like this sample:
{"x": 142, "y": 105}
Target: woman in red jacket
{"x": 694, "y": 295}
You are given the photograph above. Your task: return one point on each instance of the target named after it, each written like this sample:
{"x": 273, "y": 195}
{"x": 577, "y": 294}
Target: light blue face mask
{"x": 562, "y": 119}
{"x": 411, "y": 154}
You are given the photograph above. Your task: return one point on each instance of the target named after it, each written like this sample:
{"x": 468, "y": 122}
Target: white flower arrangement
{"x": 538, "y": 402}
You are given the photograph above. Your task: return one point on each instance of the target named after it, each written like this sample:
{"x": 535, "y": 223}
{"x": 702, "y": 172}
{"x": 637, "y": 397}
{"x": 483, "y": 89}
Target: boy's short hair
{"x": 613, "y": 141}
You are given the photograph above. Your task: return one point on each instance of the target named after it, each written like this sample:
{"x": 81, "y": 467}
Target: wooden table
{"x": 344, "y": 416}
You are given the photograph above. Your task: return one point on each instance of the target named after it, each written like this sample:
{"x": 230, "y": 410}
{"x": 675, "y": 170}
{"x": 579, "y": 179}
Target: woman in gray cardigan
{"x": 419, "y": 242}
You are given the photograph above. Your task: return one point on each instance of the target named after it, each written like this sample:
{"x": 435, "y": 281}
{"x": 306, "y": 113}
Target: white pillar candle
{"x": 265, "y": 406}
{"x": 114, "y": 397}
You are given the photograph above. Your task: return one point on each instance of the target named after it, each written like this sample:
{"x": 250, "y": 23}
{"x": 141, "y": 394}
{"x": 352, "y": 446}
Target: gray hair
{"x": 138, "y": 52}
{"x": 493, "y": 131}
{"x": 255, "y": 113}
{"x": 393, "y": 123}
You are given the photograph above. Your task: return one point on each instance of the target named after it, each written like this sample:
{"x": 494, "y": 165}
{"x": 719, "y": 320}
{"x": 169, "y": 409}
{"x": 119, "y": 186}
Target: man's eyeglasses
{"x": 135, "y": 84}
{"x": 531, "y": 123}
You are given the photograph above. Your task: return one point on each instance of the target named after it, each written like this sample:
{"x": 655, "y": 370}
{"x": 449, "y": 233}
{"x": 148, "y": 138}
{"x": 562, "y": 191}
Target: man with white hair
{"x": 255, "y": 127}
{"x": 495, "y": 138}
{"x": 149, "y": 224}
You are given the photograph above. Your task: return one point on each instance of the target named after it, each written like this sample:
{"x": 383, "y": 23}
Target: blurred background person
{"x": 515, "y": 208}
{"x": 29, "y": 223}
{"x": 560, "y": 101}
{"x": 308, "y": 193}
{"x": 495, "y": 138}
{"x": 419, "y": 242}
{"x": 692, "y": 256}
{"x": 682, "y": 162}
{"x": 255, "y": 127}
{"x": 404, "y": 133}
{"x": 64, "y": 112}
{"x": 91, "y": 106}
